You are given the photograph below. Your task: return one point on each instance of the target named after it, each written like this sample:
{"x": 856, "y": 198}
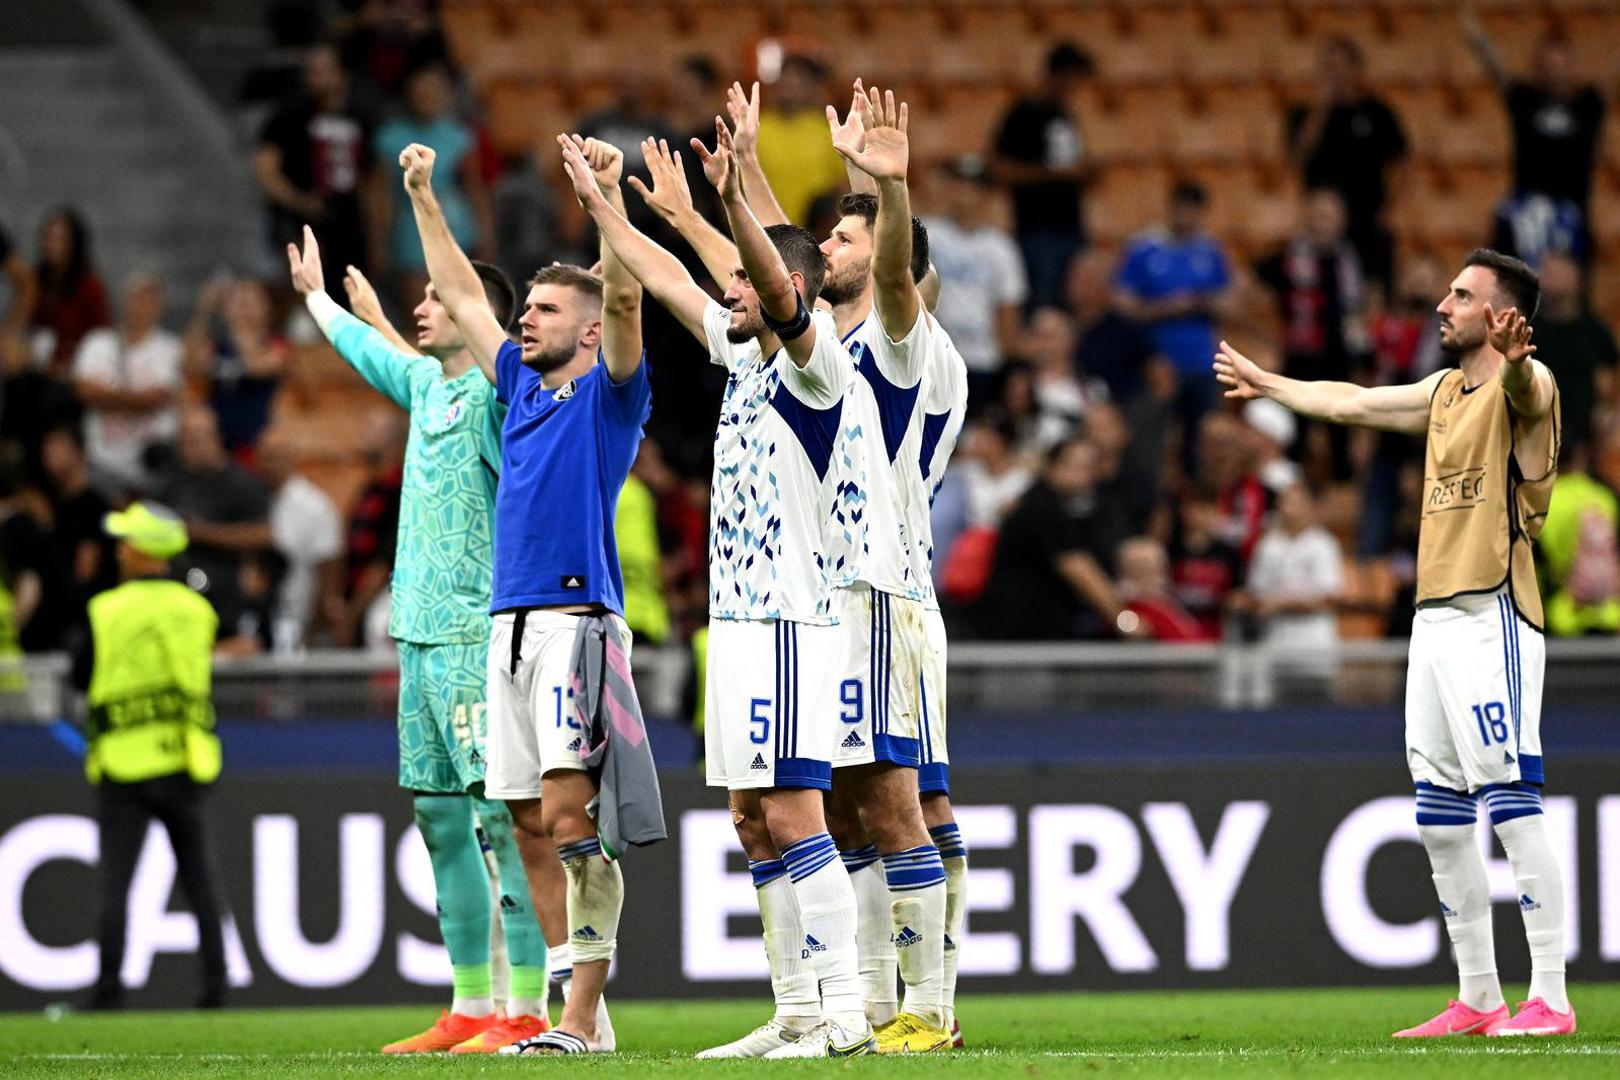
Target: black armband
{"x": 794, "y": 327}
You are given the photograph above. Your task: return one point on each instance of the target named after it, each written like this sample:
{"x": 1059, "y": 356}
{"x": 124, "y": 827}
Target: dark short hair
{"x": 1190, "y": 192}
{"x": 570, "y": 276}
{"x": 864, "y": 205}
{"x": 802, "y": 255}
{"x": 1513, "y": 276}
{"x": 808, "y": 64}
{"x": 498, "y": 290}
{"x": 1068, "y": 58}
{"x": 1063, "y": 446}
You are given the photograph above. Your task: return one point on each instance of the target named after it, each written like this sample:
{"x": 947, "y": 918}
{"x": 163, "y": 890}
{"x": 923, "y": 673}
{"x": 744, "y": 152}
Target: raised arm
{"x": 762, "y": 264}
{"x": 851, "y": 131}
{"x": 670, "y": 198}
{"x": 884, "y": 155}
{"x": 454, "y": 278}
{"x": 621, "y": 292}
{"x": 367, "y": 308}
{"x": 659, "y": 272}
{"x": 1385, "y": 408}
{"x": 744, "y": 112}
{"x": 362, "y": 347}
{"x": 1527, "y": 382}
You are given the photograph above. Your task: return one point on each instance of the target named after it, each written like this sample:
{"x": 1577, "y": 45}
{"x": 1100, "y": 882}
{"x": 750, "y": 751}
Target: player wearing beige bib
{"x": 1474, "y": 673}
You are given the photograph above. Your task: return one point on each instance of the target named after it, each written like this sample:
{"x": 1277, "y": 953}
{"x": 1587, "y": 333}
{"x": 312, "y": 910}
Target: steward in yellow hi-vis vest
{"x": 1490, "y": 422}
{"x": 152, "y": 751}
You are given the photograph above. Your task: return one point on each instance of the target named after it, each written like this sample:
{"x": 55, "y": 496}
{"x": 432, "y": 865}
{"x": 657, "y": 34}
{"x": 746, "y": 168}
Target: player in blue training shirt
{"x": 577, "y": 396}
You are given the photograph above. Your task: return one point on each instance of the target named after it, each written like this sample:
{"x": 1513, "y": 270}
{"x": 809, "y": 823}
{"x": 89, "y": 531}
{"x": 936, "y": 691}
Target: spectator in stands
{"x": 1225, "y": 468}
{"x": 240, "y": 361}
{"x": 14, "y": 350}
{"x": 129, "y": 380}
{"x": 1175, "y": 280}
{"x": 641, "y": 560}
{"x": 32, "y": 600}
{"x": 794, "y": 150}
{"x": 1272, "y": 429}
{"x": 312, "y": 163}
{"x": 307, "y": 532}
{"x": 981, "y": 274}
{"x": 530, "y": 231}
{"x": 1040, "y": 157}
{"x": 1108, "y": 346}
{"x": 1575, "y": 344}
{"x": 358, "y": 613}
{"x": 71, "y": 300}
{"x": 225, "y": 507}
{"x": 1126, "y": 493}
{"x": 1145, "y": 589}
{"x": 77, "y": 510}
{"x": 1296, "y": 576}
{"x": 695, "y": 94}
{"x": 1580, "y": 546}
{"x": 991, "y": 469}
{"x": 1206, "y": 568}
{"x": 430, "y": 119}
{"x": 1557, "y": 120}
{"x": 1321, "y": 296}
{"x": 1049, "y": 580}
{"x": 381, "y": 44}
{"x": 1347, "y": 141}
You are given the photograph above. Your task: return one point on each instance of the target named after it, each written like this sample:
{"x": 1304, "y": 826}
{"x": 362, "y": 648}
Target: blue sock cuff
{"x": 1504, "y": 802}
{"x": 860, "y": 858}
{"x": 1443, "y": 806}
{"x": 914, "y": 868}
{"x": 765, "y": 871}
{"x": 809, "y": 855}
{"x": 580, "y": 849}
{"x": 948, "y": 838}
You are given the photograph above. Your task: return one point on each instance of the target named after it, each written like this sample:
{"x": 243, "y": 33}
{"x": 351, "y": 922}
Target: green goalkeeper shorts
{"x": 441, "y": 716}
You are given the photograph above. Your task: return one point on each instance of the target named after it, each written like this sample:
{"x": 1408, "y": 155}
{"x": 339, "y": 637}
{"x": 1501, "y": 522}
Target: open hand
{"x": 670, "y": 196}
{"x": 362, "y": 297}
{"x": 1236, "y": 371}
{"x": 1509, "y": 334}
{"x": 885, "y": 151}
{"x": 851, "y": 131}
{"x": 306, "y": 265}
{"x": 744, "y": 112}
{"x": 720, "y": 165}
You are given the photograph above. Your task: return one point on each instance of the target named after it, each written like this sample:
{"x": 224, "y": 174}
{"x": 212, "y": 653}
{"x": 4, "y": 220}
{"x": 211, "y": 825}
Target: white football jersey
{"x": 773, "y": 477}
{"x": 877, "y": 462}
{"x": 945, "y": 398}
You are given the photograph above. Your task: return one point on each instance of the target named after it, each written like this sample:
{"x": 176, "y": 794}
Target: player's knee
{"x": 1444, "y": 815}
{"x": 442, "y": 820}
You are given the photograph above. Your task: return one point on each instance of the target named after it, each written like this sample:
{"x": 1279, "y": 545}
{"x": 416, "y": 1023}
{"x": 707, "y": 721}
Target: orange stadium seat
{"x": 1236, "y": 53}
{"x": 1125, "y": 200}
{"x": 521, "y": 114}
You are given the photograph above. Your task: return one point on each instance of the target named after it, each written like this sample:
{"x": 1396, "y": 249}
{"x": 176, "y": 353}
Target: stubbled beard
{"x": 550, "y": 360}
{"x": 752, "y": 327}
{"x": 1456, "y": 346}
{"x": 842, "y": 287}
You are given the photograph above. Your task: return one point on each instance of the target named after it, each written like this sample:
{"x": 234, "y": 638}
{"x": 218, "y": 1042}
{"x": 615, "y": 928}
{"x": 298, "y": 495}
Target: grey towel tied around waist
{"x": 629, "y": 808}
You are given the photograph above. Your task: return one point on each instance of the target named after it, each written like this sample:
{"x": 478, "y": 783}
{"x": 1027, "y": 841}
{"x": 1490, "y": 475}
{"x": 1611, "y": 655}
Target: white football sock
{"x": 793, "y": 979}
{"x": 1541, "y": 903}
{"x": 916, "y": 879}
{"x": 955, "y": 925}
{"x": 827, "y": 907}
{"x": 874, "y": 941}
{"x": 595, "y": 899}
{"x": 1465, "y": 901}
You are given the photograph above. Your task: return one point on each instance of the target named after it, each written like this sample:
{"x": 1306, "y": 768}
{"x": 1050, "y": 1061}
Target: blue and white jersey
{"x": 945, "y": 398}
{"x": 773, "y": 479}
{"x": 869, "y": 536}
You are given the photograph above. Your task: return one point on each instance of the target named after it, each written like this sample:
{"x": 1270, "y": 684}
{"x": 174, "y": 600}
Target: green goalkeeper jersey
{"x": 444, "y": 557}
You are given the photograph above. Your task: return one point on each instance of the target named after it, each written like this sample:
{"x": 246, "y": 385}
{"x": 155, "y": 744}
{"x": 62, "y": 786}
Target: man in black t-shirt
{"x": 1039, "y": 156}
{"x": 1556, "y": 120}
{"x": 312, "y": 164}
{"x": 1575, "y": 344}
{"x": 1346, "y": 141}
{"x": 1049, "y": 581}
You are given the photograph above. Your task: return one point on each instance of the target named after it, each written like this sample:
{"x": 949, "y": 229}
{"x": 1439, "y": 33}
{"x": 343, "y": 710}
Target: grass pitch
{"x": 1218, "y": 1033}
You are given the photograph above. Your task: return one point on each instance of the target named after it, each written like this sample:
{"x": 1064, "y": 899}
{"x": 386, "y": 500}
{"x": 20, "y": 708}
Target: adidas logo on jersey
{"x": 586, "y": 933}
{"x": 811, "y": 945}
{"x": 906, "y": 938}
{"x": 1526, "y": 903}
{"x": 853, "y": 741}
{"x": 759, "y": 763}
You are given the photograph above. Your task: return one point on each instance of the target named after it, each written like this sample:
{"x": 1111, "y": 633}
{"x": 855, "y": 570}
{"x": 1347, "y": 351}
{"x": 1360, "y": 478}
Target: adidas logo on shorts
{"x": 906, "y": 937}
{"x": 759, "y": 763}
{"x": 586, "y": 933}
{"x": 573, "y": 747}
{"x": 853, "y": 741}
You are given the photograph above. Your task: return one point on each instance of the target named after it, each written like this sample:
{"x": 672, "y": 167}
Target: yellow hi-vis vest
{"x": 151, "y": 710}
{"x": 635, "y": 531}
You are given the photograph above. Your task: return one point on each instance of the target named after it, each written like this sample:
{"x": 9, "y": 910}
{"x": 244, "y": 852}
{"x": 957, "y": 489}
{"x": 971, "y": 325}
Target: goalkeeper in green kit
{"x": 440, "y": 619}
